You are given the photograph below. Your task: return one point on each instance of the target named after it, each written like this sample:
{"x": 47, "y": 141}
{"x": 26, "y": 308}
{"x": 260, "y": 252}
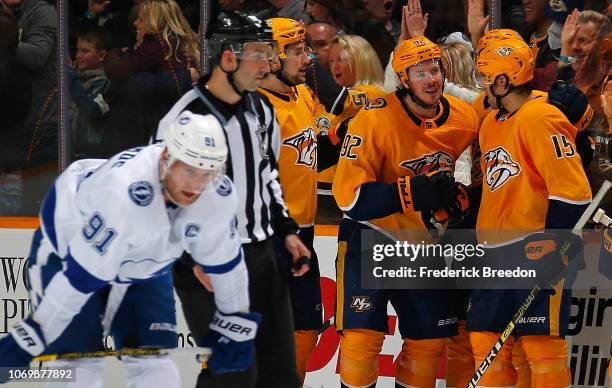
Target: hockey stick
{"x": 201, "y": 354}
{"x": 486, "y": 363}
{"x": 601, "y": 218}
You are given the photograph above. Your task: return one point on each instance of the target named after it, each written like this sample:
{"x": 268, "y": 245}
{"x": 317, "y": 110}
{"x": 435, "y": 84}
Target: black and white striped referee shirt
{"x": 253, "y": 138}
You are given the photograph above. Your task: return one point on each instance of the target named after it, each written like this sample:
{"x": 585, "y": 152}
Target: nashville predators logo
{"x": 305, "y": 144}
{"x": 376, "y": 103}
{"x": 438, "y": 161}
{"x": 499, "y": 167}
{"x": 504, "y": 51}
{"x": 361, "y": 304}
{"x": 323, "y": 124}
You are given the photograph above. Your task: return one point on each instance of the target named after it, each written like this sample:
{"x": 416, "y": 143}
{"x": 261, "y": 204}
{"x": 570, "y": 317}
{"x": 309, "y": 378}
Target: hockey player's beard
{"x": 289, "y": 81}
{"x": 418, "y": 101}
{"x": 421, "y": 103}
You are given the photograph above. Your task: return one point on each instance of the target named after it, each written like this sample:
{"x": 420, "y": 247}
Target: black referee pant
{"x": 274, "y": 365}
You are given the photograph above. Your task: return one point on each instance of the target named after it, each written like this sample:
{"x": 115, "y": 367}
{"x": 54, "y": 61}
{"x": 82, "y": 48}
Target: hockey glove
{"x": 24, "y": 342}
{"x": 452, "y": 214}
{"x": 572, "y": 102}
{"x": 551, "y": 253}
{"x": 232, "y": 340}
{"x": 426, "y": 193}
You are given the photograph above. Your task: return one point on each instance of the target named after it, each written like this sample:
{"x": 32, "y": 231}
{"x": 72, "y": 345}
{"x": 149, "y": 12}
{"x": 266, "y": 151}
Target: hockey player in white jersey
{"x": 110, "y": 231}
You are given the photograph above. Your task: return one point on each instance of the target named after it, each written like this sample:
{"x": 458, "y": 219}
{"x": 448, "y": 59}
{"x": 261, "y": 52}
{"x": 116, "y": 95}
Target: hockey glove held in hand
{"x": 572, "y": 102}
{"x": 24, "y": 342}
{"x": 453, "y": 211}
{"x": 426, "y": 193}
{"x": 232, "y": 341}
{"x": 550, "y": 254}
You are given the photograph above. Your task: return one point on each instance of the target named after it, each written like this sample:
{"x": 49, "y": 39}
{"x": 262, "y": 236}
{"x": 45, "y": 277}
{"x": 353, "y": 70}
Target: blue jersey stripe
{"x": 80, "y": 278}
{"x": 47, "y": 214}
{"x": 223, "y": 268}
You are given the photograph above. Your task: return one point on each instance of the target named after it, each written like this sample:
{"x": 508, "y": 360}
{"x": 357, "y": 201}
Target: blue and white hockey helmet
{"x": 197, "y": 140}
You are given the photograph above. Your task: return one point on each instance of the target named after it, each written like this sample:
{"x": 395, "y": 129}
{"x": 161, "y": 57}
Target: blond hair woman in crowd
{"x": 146, "y": 81}
{"x": 164, "y": 41}
{"x": 459, "y": 70}
{"x": 353, "y": 62}
{"x": 355, "y": 66}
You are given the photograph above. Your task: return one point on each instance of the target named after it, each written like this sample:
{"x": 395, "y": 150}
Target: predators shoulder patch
{"x": 376, "y": 103}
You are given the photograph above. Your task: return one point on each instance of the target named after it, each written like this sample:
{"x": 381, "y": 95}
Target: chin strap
{"x": 498, "y": 99}
{"x": 230, "y": 78}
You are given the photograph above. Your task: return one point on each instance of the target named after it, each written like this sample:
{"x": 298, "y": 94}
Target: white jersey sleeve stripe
{"x": 223, "y": 268}
{"x": 47, "y": 218}
{"x": 80, "y": 278}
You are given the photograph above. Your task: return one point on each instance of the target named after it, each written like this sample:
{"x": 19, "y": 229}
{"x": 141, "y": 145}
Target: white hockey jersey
{"x": 108, "y": 221}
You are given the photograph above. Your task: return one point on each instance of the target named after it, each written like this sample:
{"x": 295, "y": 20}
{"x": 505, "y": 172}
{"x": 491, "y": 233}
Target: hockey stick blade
{"x": 201, "y": 353}
{"x": 486, "y": 363}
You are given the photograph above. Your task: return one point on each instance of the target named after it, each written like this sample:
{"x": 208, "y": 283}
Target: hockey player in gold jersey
{"x": 396, "y": 168}
{"x": 298, "y": 162}
{"x": 533, "y": 180}
{"x": 357, "y": 79}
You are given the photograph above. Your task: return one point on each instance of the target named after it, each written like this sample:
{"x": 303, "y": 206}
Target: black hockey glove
{"x": 572, "y": 102}
{"x": 551, "y": 253}
{"x": 452, "y": 214}
{"x": 427, "y": 193}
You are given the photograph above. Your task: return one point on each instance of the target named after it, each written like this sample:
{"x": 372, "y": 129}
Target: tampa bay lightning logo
{"x": 184, "y": 120}
{"x": 141, "y": 193}
{"x": 225, "y": 187}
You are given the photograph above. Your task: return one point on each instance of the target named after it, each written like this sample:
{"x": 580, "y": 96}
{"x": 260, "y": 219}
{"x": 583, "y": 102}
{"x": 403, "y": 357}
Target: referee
{"x": 241, "y": 48}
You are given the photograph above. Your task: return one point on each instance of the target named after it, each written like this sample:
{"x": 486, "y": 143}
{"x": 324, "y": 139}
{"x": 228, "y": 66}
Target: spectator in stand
{"x": 382, "y": 10}
{"x": 112, "y": 15}
{"x": 321, "y": 34}
{"x": 351, "y": 17}
{"x": 147, "y": 80}
{"x": 355, "y": 71}
{"x": 459, "y": 69}
{"x": 15, "y": 98}
{"x": 558, "y": 11}
{"x": 584, "y": 47}
{"x": 291, "y": 9}
{"x": 87, "y": 86}
{"x": 163, "y": 40}
{"x": 37, "y": 22}
{"x": 536, "y": 33}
